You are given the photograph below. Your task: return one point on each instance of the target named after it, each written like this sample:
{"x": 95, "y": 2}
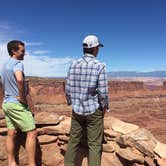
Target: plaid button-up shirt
{"x": 87, "y": 86}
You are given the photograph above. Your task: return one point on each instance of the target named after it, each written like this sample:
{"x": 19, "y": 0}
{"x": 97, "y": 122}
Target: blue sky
{"x": 132, "y": 31}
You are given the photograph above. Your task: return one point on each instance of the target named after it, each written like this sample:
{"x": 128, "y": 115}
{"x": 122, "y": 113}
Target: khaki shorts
{"x": 18, "y": 116}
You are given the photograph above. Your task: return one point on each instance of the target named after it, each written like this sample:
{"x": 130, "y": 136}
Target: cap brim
{"x": 100, "y": 45}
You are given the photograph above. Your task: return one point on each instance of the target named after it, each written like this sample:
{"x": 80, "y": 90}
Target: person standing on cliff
{"x": 17, "y": 114}
{"x": 87, "y": 92}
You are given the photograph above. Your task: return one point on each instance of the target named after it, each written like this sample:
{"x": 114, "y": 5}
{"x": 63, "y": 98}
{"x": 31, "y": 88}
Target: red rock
{"x": 3, "y": 154}
{"x": 47, "y": 139}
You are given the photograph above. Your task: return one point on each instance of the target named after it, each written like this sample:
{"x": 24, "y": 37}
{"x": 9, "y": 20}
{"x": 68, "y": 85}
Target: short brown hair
{"x": 13, "y": 45}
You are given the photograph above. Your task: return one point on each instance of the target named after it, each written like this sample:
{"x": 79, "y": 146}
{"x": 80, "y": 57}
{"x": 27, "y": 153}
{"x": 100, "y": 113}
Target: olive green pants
{"x": 93, "y": 124}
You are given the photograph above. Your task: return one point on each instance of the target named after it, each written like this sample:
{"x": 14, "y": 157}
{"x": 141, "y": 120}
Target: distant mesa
{"x": 137, "y": 74}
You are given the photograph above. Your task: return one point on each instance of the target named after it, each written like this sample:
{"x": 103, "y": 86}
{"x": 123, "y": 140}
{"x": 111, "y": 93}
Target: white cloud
{"x": 3, "y": 54}
{"x": 46, "y": 66}
{"x": 39, "y": 52}
{"x": 43, "y": 66}
{"x": 33, "y": 43}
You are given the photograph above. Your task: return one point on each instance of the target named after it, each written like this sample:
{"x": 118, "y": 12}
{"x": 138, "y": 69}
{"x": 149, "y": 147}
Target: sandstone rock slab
{"x": 3, "y": 123}
{"x": 3, "y": 131}
{"x": 160, "y": 149}
{"x": 63, "y": 138}
{"x": 149, "y": 161}
{"x": 122, "y": 127}
{"x": 108, "y": 148}
{"x": 51, "y": 155}
{"x": 47, "y": 139}
{"x": 110, "y": 133}
{"x": 131, "y": 154}
{"x": 2, "y": 115}
{"x": 3, "y": 154}
{"x": 46, "y": 118}
{"x": 62, "y": 128}
{"x": 161, "y": 161}
{"x": 110, "y": 159}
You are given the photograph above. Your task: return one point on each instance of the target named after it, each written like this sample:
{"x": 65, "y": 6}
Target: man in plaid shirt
{"x": 87, "y": 92}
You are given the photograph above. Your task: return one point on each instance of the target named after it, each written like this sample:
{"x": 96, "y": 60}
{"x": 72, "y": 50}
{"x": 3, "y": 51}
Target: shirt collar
{"x": 89, "y": 55}
{"x": 13, "y": 59}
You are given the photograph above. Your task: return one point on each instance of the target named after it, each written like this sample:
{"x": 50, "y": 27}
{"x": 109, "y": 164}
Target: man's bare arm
{"x": 21, "y": 87}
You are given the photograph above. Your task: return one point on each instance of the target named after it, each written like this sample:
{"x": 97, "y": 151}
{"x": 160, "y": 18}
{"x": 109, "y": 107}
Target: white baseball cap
{"x": 91, "y": 41}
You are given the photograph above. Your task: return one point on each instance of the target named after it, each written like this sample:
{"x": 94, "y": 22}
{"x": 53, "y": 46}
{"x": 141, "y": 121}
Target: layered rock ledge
{"x": 124, "y": 144}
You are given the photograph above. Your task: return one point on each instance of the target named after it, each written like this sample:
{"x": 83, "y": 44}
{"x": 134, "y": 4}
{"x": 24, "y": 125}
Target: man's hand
{"x": 68, "y": 99}
{"x": 22, "y": 100}
{"x": 106, "y": 110}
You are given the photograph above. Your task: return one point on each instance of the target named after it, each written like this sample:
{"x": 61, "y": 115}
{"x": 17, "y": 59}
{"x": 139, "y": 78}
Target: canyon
{"x": 136, "y": 106}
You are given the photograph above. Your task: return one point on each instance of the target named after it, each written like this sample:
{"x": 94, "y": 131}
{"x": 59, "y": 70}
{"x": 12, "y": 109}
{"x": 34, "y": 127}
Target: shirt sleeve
{"x": 103, "y": 88}
{"x": 18, "y": 67}
{"x": 67, "y": 88}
